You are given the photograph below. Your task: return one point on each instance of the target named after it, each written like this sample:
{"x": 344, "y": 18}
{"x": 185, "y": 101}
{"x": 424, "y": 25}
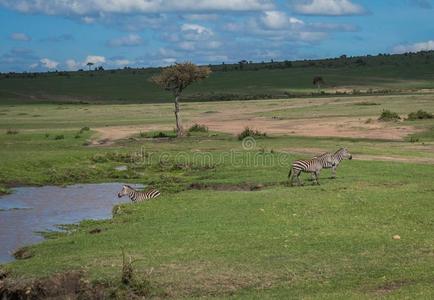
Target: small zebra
{"x": 313, "y": 166}
{"x": 336, "y": 158}
{"x": 138, "y": 196}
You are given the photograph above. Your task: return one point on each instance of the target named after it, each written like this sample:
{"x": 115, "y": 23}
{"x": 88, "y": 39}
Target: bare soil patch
{"x": 390, "y": 287}
{"x": 108, "y": 135}
{"x": 70, "y": 285}
{"x": 315, "y": 127}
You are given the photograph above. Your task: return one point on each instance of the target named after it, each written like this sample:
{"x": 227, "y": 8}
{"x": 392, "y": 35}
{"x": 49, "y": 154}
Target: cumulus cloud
{"x": 95, "y": 59}
{"x": 89, "y": 7}
{"x": 48, "y": 63}
{"x": 19, "y": 36}
{"x": 72, "y": 64}
{"x": 328, "y": 7}
{"x": 422, "y": 46}
{"x": 126, "y": 41}
{"x": 278, "y": 20}
{"x": 195, "y": 32}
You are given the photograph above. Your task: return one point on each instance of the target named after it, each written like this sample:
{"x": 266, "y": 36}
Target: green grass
{"x": 332, "y": 241}
{"x": 382, "y": 74}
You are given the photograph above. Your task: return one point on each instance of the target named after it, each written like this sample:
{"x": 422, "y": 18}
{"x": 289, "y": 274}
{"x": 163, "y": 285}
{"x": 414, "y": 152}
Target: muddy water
{"x": 29, "y": 210}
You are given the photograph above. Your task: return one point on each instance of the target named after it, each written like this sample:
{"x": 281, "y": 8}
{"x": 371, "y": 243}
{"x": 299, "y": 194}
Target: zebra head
{"x": 125, "y": 190}
{"x": 344, "y": 153}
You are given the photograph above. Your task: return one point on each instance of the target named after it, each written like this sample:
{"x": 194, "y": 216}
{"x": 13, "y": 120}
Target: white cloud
{"x": 329, "y": 7}
{"x": 278, "y": 20}
{"x": 193, "y": 32}
{"x": 19, "y": 36}
{"x": 121, "y": 62}
{"x": 422, "y": 46}
{"x": 126, "y": 41}
{"x": 71, "y": 64}
{"x": 88, "y": 20}
{"x": 88, "y": 7}
{"x": 33, "y": 66}
{"x": 48, "y": 63}
{"x": 199, "y": 29}
{"x": 95, "y": 59}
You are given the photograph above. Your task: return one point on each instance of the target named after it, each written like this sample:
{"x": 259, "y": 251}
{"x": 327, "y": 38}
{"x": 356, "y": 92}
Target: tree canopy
{"x": 177, "y": 77}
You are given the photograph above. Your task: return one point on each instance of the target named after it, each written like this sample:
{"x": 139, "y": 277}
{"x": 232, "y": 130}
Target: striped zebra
{"x": 312, "y": 166}
{"x": 138, "y": 196}
{"x": 336, "y": 158}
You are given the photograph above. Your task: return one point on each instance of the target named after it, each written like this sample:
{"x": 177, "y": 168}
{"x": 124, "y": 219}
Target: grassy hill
{"x": 245, "y": 80}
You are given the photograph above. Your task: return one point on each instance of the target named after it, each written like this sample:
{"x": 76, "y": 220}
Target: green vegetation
{"x": 198, "y": 128}
{"x": 371, "y": 75}
{"x": 387, "y": 116}
{"x": 419, "y": 115}
{"x": 248, "y": 132}
{"x": 209, "y": 235}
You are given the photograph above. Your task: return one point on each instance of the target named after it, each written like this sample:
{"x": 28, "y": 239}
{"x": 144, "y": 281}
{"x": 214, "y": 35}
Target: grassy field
{"x": 209, "y": 235}
{"x": 346, "y": 76}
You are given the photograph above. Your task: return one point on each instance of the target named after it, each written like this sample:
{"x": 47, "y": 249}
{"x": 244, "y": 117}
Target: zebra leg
{"x": 333, "y": 173}
{"x": 300, "y": 183}
{"x": 316, "y": 174}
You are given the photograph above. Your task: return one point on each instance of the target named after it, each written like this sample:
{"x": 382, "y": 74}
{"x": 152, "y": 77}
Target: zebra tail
{"x": 290, "y": 171}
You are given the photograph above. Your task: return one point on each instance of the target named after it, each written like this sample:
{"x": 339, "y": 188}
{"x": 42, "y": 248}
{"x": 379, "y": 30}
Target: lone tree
{"x": 175, "y": 79}
{"x": 89, "y": 64}
{"x": 318, "y": 80}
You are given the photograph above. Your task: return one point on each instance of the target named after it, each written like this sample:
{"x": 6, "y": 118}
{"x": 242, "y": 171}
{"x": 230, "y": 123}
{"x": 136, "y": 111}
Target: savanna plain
{"x": 227, "y": 225}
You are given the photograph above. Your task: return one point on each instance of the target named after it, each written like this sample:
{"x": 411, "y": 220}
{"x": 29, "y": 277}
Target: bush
{"x": 388, "y": 115}
{"x": 250, "y": 132}
{"x": 198, "y": 128}
{"x": 59, "y": 137}
{"x": 86, "y": 128}
{"x": 419, "y": 115}
{"x": 11, "y": 131}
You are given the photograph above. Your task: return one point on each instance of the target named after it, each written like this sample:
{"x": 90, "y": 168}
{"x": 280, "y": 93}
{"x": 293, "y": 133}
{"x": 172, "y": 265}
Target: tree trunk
{"x": 179, "y": 130}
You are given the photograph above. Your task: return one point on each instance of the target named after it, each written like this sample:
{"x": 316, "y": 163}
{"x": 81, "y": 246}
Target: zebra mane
{"x": 340, "y": 150}
{"x": 130, "y": 187}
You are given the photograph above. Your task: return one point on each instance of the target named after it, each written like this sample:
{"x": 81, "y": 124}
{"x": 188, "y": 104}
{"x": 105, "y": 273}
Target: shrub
{"x": 198, "y": 128}
{"x": 250, "y": 132}
{"x": 388, "y": 115}
{"x": 162, "y": 134}
{"x": 86, "y": 128}
{"x": 419, "y": 115}
{"x": 59, "y": 137}
{"x": 11, "y": 131}
{"x": 414, "y": 139}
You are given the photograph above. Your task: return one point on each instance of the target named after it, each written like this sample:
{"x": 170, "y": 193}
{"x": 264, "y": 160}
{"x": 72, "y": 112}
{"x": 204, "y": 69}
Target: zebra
{"x": 336, "y": 158}
{"x": 313, "y": 166}
{"x": 138, "y": 196}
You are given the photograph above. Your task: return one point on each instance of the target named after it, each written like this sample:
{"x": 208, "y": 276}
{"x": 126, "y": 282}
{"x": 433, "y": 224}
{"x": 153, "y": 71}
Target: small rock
{"x": 121, "y": 168}
{"x": 396, "y": 237}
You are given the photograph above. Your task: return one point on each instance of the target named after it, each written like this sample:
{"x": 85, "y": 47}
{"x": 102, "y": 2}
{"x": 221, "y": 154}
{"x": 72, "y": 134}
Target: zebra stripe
{"x": 336, "y": 158}
{"x": 313, "y": 166}
{"x": 138, "y": 196}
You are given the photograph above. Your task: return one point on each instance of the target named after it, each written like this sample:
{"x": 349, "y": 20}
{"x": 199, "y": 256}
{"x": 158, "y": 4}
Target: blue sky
{"x": 44, "y": 35}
